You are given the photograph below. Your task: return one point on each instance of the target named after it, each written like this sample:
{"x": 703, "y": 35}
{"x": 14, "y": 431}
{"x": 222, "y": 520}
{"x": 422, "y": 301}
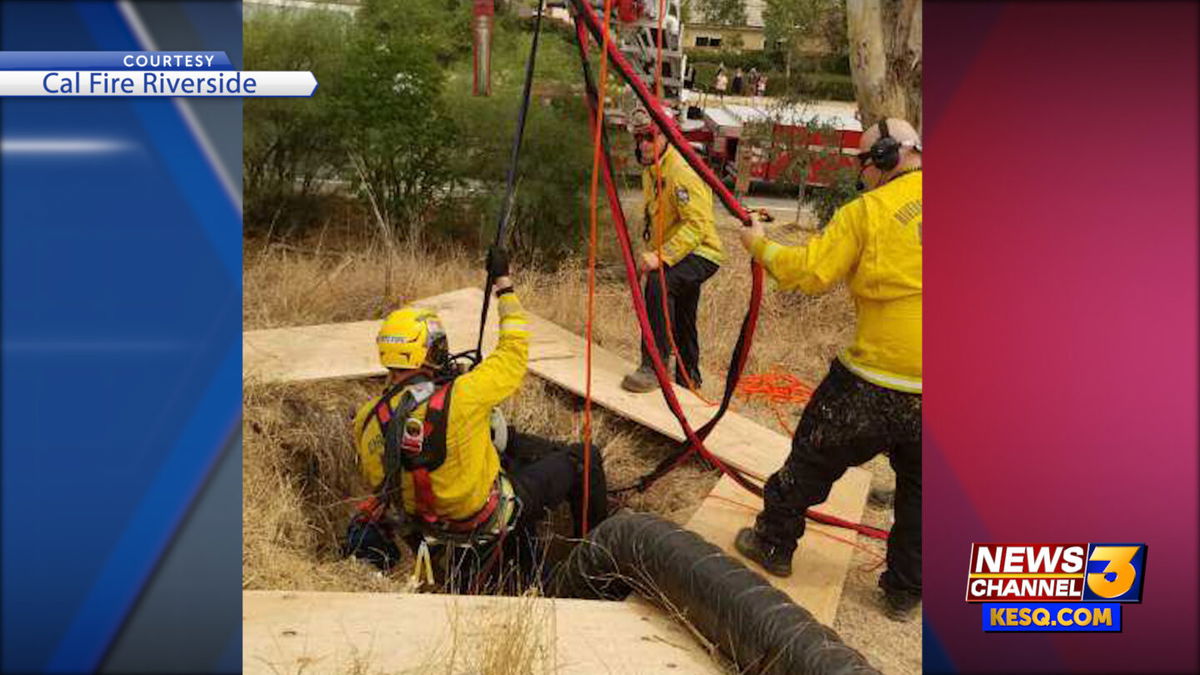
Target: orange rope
{"x": 775, "y": 387}
{"x": 597, "y": 149}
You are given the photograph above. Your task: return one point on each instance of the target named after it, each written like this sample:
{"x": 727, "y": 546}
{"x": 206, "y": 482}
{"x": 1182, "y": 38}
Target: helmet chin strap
{"x": 400, "y": 376}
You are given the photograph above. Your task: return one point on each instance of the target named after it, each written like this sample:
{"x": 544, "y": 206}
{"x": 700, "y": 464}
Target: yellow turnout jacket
{"x": 462, "y": 484}
{"x": 687, "y": 210}
{"x": 875, "y": 241}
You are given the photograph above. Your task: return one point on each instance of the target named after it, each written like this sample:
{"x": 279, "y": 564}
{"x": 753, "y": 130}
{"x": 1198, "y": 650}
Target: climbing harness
{"x": 416, "y": 444}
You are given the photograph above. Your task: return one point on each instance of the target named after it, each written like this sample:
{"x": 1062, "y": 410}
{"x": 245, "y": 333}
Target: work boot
{"x": 643, "y": 379}
{"x": 640, "y": 381}
{"x": 770, "y": 558}
{"x": 898, "y": 605}
{"x": 881, "y": 497}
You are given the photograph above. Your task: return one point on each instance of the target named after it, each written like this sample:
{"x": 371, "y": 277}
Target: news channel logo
{"x": 1055, "y": 587}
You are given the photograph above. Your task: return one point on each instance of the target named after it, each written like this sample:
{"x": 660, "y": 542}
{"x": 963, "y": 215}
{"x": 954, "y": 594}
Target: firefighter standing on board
{"x": 679, "y": 202}
{"x": 870, "y": 402}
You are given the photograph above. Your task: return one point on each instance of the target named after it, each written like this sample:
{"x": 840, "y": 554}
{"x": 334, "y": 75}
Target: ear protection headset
{"x": 885, "y": 151}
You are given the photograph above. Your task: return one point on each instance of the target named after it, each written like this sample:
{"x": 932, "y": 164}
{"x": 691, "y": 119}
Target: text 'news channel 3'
{"x": 1055, "y": 587}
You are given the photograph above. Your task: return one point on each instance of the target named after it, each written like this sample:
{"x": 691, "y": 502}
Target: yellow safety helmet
{"x": 412, "y": 337}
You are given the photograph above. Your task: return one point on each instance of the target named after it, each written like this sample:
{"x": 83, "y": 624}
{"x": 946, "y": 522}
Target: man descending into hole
{"x": 445, "y": 469}
{"x": 870, "y": 402}
{"x": 676, "y": 200}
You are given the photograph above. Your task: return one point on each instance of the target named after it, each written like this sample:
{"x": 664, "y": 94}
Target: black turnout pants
{"x": 544, "y": 474}
{"x": 683, "y": 281}
{"x": 847, "y": 422}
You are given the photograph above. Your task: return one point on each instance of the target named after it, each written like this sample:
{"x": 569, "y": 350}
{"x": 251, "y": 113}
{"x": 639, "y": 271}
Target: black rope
{"x": 514, "y": 160}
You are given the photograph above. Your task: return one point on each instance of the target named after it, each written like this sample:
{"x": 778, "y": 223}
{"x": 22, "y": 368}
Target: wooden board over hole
{"x": 557, "y": 355}
{"x": 820, "y": 563}
{"x": 319, "y": 632}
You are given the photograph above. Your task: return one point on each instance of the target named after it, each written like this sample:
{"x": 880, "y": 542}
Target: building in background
{"x": 750, "y": 35}
{"x": 703, "y": 34}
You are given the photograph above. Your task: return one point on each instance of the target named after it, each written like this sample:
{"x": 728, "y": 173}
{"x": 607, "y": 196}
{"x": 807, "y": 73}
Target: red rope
{"x": 694, "y": 437}
{"x": 855, "y": 544}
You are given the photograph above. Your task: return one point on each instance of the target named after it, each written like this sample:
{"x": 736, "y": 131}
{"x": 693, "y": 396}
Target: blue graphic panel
{"x": 121, "y": 258}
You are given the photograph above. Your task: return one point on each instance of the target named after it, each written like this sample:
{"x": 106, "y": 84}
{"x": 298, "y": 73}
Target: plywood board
{"x": 820, "y": 563}
{"x": 316, "y": 632}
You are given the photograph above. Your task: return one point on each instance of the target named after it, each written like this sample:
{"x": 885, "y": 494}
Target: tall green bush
{"x": 395, "y": 132}
{"x": 394, "y": 124}
{"x": 292, "y": 145}
{"x": 550, "y": 208}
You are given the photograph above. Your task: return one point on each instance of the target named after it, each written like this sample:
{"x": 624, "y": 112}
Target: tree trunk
{"x": 885, "y": 58}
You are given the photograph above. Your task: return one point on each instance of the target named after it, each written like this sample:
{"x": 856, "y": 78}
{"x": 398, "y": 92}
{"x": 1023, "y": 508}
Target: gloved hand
{"x": 751, "y": 233}
{"x": 367, "y": 541}
{"x": 497, "y": 262}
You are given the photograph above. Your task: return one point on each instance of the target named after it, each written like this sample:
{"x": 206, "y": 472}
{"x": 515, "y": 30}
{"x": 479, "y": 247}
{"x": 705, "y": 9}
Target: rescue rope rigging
{"x": 585, "y": 17}
{"x": 586, "y": 22}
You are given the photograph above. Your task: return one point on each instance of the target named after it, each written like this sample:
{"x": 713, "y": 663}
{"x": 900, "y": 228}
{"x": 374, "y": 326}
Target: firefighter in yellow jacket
{"x": 870, "y": 402}
{"x": 678, "y": 210}
{"x": 434, "y": 448}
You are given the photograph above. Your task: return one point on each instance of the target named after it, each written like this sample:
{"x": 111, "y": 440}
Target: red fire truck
{"x": 826, "y": 132}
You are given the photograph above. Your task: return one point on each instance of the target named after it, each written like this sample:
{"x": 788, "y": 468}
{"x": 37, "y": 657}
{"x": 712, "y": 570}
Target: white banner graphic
{"x": 202, "y": 83}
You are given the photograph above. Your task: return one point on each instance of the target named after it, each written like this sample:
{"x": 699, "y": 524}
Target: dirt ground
{"x": 300, "y": 477}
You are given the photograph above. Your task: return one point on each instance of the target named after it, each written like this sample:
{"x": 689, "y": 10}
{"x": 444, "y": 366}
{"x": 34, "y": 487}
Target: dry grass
{"x": 300, "y": 475}
{"x": 513, "y": 640}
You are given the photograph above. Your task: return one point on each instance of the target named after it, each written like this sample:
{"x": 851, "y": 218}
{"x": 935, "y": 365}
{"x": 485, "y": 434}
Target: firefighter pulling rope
{"x": 677, "y": 307}
{"x": 695, "y": 443}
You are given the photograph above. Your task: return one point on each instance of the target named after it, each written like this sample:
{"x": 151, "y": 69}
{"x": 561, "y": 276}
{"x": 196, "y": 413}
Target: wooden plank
{"x": 316, "y": 632}
{"x": 557, "y": 355}
{"x": 820, "y": 563}
{"x": 304, "y": 353}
